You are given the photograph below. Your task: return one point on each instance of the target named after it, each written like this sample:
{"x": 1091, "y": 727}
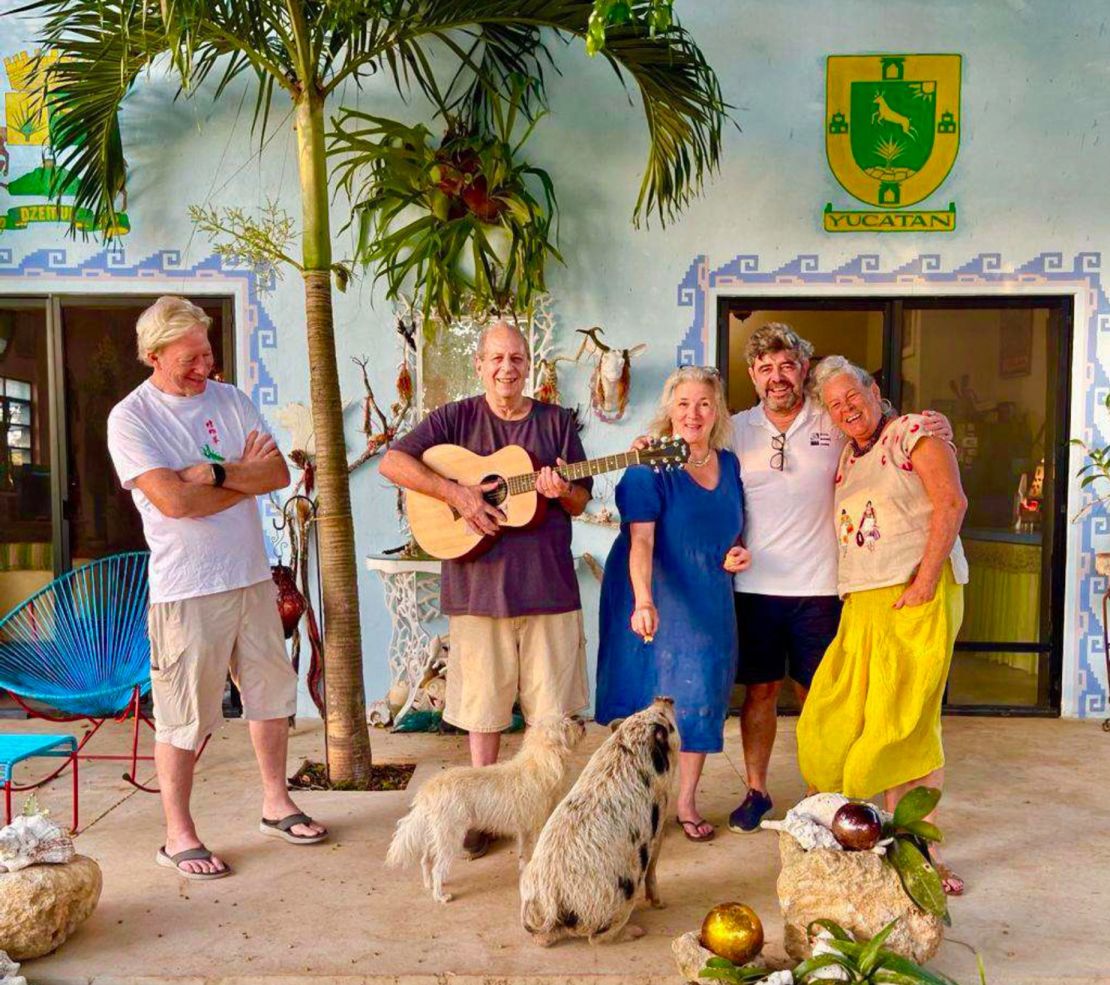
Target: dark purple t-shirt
{"x": 526, "y": 571}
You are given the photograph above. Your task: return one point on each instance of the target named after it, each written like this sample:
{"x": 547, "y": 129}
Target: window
{"x": 16, "y": 427}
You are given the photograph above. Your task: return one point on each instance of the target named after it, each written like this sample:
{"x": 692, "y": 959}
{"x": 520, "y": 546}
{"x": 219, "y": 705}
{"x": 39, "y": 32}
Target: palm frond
{"x": 681, "y": 95}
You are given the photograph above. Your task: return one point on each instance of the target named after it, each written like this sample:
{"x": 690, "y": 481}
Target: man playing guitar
{"x": 515, "y": 612}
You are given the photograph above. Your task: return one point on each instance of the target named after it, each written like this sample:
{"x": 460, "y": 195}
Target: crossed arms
{"x": 190, "y": 492}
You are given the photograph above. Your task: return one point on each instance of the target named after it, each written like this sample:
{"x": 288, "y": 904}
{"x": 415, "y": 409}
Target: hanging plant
{"x": 456, "y": 224}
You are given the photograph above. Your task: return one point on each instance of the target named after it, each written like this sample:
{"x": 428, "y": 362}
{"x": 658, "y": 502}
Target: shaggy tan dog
{"x": 510, "y": 798}
{"x": 603, "y": 840}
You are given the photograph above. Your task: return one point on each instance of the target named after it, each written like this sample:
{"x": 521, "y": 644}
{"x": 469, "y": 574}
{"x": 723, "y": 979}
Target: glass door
{"x": 27, "y": 559}
{"x": 100, "y": 367}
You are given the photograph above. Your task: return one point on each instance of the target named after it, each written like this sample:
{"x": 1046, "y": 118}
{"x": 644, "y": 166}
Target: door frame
{"x": 1050, "y": 693}
{"x": 52, "y": 304}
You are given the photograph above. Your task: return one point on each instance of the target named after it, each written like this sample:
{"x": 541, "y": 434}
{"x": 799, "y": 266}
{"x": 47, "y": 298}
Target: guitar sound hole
{"x": 498, "y": 495}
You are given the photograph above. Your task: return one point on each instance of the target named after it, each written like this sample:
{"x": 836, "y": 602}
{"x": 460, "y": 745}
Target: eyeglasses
{"x": 778, "y": 446}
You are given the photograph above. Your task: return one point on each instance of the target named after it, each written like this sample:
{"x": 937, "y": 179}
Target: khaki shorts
{"x": 195, "y": 642}
{"x": 491, "y": 660}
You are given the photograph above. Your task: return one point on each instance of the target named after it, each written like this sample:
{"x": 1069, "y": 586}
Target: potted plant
{"x": 462, "y": 223}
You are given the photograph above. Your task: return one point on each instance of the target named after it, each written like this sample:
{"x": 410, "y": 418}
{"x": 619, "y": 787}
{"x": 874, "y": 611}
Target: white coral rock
{"x": 33, "y": 839}
{"x": 9, "y": 971}
{"x": 810, "y": 823}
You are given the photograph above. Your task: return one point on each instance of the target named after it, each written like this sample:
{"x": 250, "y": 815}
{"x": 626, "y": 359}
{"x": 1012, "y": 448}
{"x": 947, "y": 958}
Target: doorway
{"x": 65, "y": 361}
{"x": 999, "y": 368}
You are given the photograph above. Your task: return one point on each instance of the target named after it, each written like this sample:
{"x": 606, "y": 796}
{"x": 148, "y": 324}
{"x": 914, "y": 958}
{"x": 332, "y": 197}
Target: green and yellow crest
{"x": 892, "y": 131}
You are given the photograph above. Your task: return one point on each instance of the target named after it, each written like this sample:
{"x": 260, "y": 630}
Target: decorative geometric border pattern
{"x": 260, "y": 331}
{"x": 1085, "y": 695}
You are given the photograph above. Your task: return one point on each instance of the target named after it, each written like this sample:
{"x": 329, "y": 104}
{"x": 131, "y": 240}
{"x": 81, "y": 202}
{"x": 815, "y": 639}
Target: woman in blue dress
{"x": 668, "y": 625}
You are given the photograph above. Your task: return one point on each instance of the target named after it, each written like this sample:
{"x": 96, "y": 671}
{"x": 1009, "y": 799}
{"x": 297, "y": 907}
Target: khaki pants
{"x": 492, "y": 660}
{"x": 195, "y": 642}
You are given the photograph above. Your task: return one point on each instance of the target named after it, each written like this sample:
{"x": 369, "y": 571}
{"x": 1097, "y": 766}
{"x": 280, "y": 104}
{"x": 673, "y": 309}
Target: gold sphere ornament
{"x": 733, "y": 931}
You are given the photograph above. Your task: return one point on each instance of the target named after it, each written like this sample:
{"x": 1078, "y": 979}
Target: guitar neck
{"x": 578, "y": 470}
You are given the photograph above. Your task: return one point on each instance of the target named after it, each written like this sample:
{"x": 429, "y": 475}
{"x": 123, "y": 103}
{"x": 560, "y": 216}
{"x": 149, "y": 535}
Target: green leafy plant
{"x": 456, "y": 224}
{"x": 909, "y": 851}
{"x": 1096, "y": 467}
{"x": 865, "y": 961}
{"x": 861, "y": 962}
{"x": 656, "y": 15}
{"x": 724, "y": 970}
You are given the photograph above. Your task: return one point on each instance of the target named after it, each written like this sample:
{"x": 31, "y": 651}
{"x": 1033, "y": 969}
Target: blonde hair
{"x": 660, "y": 426}
{"x": 164, "y": 322}
{"x": 776, "y": 336}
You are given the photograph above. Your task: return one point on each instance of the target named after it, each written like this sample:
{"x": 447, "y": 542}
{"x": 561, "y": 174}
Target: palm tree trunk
{"x": 348, "y": 736}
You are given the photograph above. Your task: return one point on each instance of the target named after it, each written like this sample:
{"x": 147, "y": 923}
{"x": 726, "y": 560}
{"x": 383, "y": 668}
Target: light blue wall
{"x": 1030, "y": 180}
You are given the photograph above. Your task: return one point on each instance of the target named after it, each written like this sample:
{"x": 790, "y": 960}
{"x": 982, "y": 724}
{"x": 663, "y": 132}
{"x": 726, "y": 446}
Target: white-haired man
{"x": 787, "y": 607}
{"x": 515, "y": 612}
{"x": 194, "y": 454}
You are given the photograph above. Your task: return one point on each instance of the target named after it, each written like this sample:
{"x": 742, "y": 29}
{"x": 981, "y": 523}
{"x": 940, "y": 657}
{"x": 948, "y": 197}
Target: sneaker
{"x": 746, "y": 817}
{"x": 476, "y": 843}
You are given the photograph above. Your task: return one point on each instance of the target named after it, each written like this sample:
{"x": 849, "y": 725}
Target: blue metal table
{"x": 15, "y": 748}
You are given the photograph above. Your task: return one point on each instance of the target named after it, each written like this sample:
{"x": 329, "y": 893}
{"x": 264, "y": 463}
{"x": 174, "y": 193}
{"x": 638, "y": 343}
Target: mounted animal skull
{"x": 612, "y": 375}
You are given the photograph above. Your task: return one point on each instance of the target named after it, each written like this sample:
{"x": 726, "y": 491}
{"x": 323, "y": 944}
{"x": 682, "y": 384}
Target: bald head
{"x": 500, "y": 329}
{"x": 502, "y": 362}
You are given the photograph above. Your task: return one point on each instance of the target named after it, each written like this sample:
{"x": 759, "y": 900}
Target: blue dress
{"x": 693, "y": 656}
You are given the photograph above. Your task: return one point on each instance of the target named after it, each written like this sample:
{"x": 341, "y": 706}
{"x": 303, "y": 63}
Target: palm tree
{"x": 308, "y": 49}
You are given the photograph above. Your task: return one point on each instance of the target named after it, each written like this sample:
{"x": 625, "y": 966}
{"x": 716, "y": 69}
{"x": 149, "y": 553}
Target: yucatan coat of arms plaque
{"x": 892, "y": 131}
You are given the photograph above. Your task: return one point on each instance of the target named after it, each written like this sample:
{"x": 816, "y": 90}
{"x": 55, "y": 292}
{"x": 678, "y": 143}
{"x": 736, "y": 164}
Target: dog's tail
{"x": 409, "y": 840}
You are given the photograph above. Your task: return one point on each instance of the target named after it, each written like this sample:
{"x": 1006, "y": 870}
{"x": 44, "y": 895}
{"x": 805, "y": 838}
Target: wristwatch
{"x": 219, "y": 474}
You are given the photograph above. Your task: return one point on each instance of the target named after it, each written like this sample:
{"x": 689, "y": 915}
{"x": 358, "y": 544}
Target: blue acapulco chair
{"x": 77, "y": 650}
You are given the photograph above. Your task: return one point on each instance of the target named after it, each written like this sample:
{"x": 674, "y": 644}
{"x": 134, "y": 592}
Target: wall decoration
{"x": 1084, "y": 682}
{"x": 892, "y": 131}
{"x": 611, "y": 379}
{"x": 27, "y": 142}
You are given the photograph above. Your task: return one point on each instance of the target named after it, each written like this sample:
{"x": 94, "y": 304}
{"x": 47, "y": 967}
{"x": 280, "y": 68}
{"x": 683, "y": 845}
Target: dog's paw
{"x": 657, "y": 904}
{"x": 444, "y": 898}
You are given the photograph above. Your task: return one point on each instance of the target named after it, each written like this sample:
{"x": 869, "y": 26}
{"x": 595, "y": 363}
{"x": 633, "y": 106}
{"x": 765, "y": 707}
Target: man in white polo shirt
{"x": 194, "y": 454}
{"x": 787, "y": 607}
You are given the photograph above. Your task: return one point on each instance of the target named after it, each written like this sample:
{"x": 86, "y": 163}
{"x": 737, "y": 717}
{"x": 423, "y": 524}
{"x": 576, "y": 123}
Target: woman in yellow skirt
{"x": 871, "y": 721}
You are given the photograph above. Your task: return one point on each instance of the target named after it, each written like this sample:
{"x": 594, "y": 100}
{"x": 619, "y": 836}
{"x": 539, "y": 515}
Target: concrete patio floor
{"x": 1026, "y": 817}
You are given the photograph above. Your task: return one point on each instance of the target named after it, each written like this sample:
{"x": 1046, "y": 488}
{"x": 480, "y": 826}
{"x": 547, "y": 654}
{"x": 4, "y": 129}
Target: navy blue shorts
{"x": 783, "y": 634}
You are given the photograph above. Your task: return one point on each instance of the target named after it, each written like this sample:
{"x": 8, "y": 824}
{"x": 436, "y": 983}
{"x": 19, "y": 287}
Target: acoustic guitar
{"x": 443, "y": 533}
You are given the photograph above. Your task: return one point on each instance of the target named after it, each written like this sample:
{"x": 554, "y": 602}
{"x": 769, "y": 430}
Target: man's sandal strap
{"x": 289, "y": 822}
{"x": 201, "y": 854}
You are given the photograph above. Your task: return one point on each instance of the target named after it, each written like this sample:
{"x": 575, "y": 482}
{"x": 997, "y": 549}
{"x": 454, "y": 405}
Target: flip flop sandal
{"x": 200, "y": 854}
{"x": 690, "y": 823}
{"x": 282, "y": 829}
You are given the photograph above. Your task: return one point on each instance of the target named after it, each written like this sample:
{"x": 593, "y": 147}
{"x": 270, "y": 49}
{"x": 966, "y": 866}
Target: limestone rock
{"x": 42, "y": 905}
{"x": 857, "y": 890}
{"x": 690, "y": 957}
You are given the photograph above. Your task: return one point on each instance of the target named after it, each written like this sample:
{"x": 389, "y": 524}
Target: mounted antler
{"x": 612, "y": 375}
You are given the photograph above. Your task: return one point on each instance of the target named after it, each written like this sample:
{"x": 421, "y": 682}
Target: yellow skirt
{"x": 872, "y": 717}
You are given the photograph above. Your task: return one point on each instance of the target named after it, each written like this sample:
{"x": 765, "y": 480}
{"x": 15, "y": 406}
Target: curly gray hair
{"x": 776, "y": 337}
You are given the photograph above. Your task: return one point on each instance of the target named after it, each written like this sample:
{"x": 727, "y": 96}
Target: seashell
{"x": 783, "y": 977}
{"x": 378, "y": 714}
{"x": 821, "y": 807}
{"x": 32, "y": 839}
{"x": 436, "y": 689}
{"x": 397, "y": 696}
{"x": 805, "y": 831}
{"x": 9, "y": 971}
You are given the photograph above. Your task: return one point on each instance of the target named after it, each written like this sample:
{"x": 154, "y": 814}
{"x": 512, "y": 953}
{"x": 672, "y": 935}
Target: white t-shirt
{"x": 788, "y": 515}
{"x": 150, "y": 429}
